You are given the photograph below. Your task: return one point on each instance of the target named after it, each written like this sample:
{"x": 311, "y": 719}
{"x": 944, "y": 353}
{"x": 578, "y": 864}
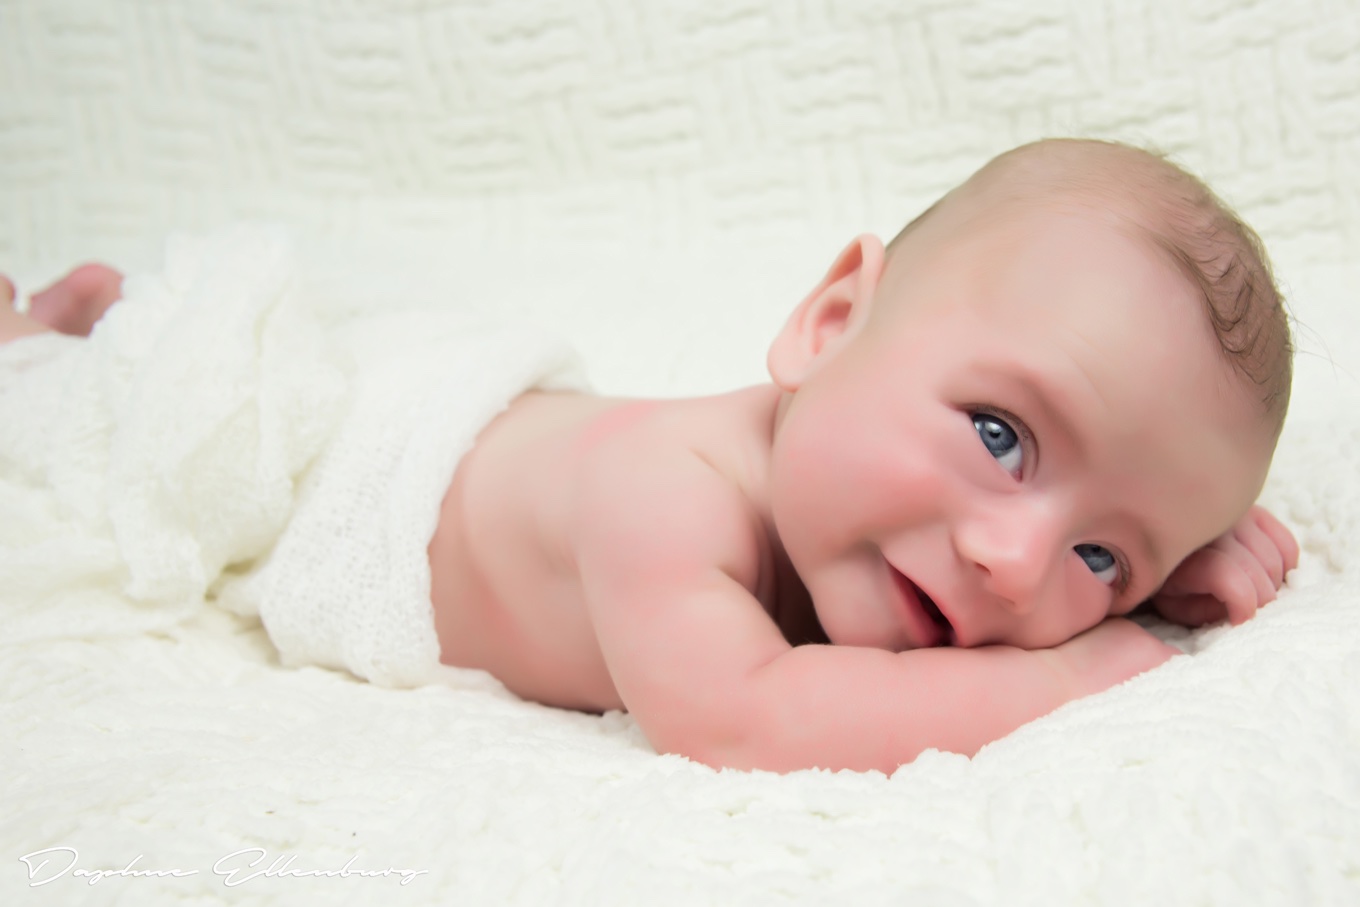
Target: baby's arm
{"x": 1233, "y": 575}
{"x": 667, "y": 551}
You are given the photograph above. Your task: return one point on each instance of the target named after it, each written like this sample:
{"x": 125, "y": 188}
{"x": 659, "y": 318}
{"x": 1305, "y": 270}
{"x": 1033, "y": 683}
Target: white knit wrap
{"x": 211, "y": 439}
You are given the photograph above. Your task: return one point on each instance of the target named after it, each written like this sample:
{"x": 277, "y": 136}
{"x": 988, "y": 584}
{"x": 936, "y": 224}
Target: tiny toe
{"x": 7, "y": 291}
{"x": 95, "y": 281}
{"x": 77, "y": 301}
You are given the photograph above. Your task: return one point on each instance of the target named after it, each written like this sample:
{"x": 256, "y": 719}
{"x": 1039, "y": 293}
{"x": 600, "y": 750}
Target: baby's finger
{"x": 1243, "y": 607}
{"x": 1279, "y": 534}
{"x": 7, "y": 291}
{"x": 1212, "y": 571}
{"x": 1226, "y": 571}
{"x": 1262, "y": 549}
{"x": 1189, "y": 610}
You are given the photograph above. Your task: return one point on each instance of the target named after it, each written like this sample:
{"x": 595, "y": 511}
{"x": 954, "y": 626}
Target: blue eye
{"x": 1101, "y": 562}
{"x": 1001, "y": 441}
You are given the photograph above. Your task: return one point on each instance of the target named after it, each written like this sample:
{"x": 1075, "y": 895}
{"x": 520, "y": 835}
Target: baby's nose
{"x": 1015, "y": 551}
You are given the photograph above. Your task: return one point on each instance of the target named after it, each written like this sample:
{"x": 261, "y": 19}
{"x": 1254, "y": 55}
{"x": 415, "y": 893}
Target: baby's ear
{"x": 830, "y": 314}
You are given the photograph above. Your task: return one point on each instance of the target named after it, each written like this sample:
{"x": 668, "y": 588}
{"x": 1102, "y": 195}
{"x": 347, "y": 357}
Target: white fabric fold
{"x": 211, "y": 439}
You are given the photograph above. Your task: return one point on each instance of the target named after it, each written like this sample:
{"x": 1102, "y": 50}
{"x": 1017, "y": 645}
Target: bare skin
{"x": 857, "y": 562}
{"x": 661, "y": 581}
{"x": 527, "y": 620}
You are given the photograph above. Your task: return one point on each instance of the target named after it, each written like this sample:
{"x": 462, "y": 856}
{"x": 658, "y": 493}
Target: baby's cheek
{"x": 1121, "y": 605}
{"x": 1089, "y": 599}
{"x": 947, "y": 455}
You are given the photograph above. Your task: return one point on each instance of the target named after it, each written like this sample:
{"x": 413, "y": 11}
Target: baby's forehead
{"x": 1168, "y": 208}
{"x": 1008, "y": 259}
{"x": 1075, "y": 302}
{"x": 1060, "y": 223}
{"x": 1109, "y": 186}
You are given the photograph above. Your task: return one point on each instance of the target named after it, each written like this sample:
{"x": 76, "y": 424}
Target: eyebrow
{"x": 1056, "y": 415}
{"x": 1061, "y": 418}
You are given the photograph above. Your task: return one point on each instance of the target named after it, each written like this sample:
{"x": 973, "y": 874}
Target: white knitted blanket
{"x": 1229, "y": 776}
{"x": 659, "y": 182}
{"x": 211, "y": 439}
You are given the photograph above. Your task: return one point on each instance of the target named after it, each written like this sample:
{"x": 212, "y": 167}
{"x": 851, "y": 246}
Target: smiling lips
{"x": 927, "y": 619}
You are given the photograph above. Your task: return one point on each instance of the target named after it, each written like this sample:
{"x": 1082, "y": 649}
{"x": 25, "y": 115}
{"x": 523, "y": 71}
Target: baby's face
{"x": 1029, "y": 438}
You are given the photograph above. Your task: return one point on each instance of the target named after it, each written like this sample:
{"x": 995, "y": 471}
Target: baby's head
{"x": 1019, "y": 417}
{"x": 1167, "y": 207}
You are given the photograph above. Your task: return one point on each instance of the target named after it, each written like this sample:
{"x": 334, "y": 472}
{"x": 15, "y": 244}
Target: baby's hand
{"x": 1231, "y": 576}
{"x": 1109, "y": 653}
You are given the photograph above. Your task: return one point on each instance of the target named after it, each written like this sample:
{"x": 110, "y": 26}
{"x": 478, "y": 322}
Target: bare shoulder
{"x": 668, "y": 550}
{"x": 651, "y": 502}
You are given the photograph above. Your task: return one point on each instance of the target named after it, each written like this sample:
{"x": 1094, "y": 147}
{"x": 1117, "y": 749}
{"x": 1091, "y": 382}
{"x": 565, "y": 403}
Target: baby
{"x": 1053, "y": 397}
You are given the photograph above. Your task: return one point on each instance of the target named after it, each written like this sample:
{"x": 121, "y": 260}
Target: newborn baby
{"x": 1053, "y": 397}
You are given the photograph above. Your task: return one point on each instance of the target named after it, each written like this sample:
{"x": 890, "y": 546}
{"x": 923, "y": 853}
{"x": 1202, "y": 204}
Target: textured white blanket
{"x": 1229, "y": 776}
{"x": 212, "y": 440}
{"x": 661, "y": 182}
{"x": 136, "y": 465}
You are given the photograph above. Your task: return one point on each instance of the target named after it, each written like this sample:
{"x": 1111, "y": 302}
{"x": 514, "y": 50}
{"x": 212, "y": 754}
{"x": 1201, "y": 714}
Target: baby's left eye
{"x": 1101, "y": 561}
{"x": 1001, "y": 441}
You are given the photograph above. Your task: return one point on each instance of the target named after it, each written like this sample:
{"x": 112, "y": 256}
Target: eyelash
{"x": 1028, "y": 441}
{"x": 1125, "y": 579}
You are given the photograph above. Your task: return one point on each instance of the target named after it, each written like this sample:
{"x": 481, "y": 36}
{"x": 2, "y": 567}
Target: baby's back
{"x": 504, "y": 594}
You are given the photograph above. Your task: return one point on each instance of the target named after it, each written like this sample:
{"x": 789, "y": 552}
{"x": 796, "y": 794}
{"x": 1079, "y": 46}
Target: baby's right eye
{"x": 1001, "y": 441}
{"x": 1102, "y": 562}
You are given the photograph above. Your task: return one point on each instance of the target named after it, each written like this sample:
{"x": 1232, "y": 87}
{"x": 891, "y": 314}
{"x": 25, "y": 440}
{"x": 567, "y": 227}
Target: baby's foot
{"x": 73, "y": 304}
{"x": 12, "y": 324}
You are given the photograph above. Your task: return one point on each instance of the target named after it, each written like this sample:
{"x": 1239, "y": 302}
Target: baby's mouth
{"x": 934, "y": 613}
{"x": 927, "y": 605}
